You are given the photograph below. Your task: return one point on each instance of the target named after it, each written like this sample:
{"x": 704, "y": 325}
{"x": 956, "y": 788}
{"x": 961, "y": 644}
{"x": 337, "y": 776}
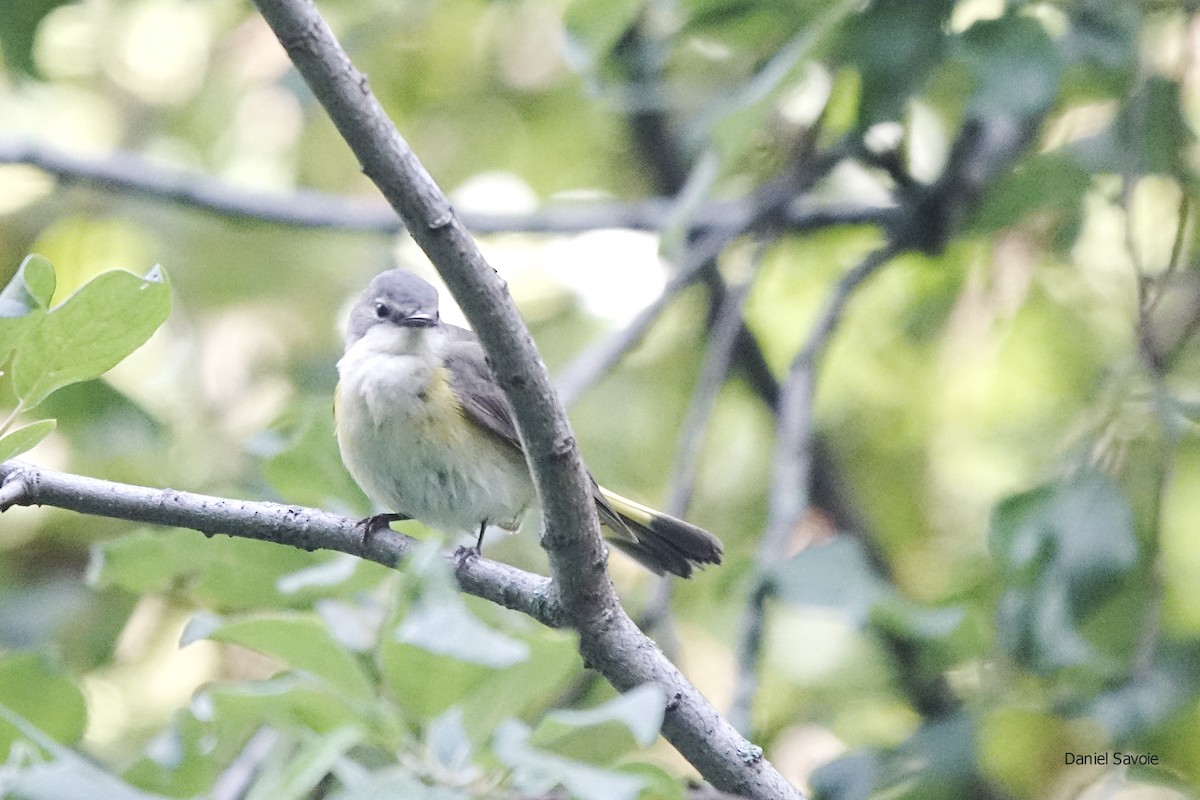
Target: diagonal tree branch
{"x": 609, "y": 640}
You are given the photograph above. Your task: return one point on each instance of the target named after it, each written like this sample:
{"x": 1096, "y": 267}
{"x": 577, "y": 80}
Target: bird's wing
{"x": 475, "y": 386}
{"x": 484, "y": 403}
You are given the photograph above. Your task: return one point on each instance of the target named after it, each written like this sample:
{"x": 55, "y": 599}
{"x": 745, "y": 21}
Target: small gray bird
{"x": 428, "y": 434}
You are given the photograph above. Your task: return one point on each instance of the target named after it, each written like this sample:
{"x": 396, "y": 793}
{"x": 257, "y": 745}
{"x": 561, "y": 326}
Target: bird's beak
{"x": 420, "y": 319}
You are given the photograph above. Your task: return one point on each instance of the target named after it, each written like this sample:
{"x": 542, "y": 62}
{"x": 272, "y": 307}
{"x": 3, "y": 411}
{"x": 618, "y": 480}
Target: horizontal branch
{"x": 134, "y": 175}
{"x": 304, "y": 528}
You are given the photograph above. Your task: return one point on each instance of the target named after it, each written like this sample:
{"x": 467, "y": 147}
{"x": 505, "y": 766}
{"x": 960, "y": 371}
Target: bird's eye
{"x": 381, "y": 310}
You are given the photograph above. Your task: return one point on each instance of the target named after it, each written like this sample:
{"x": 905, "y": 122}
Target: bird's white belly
{"x": 412, "y": 450}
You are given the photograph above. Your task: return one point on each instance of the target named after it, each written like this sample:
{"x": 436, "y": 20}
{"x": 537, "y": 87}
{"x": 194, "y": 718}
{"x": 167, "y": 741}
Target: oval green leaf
{"x": 105, "y": 320}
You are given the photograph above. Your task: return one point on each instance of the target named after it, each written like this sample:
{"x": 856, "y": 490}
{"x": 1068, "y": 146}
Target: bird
{"x": 426, "y": 431}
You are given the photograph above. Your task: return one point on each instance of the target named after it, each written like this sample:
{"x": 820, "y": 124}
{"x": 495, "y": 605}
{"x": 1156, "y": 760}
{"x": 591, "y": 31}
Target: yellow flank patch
{"x": 445, "y": 412}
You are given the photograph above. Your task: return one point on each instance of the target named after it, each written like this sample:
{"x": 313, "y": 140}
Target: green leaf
{"x": 397, "y": 782}
{"x": 308, "y": 469}
{"x": 835, "y": 575}
{"x": 24, "y": 438}
{"x": 300, "y": 641}
{"x": 67, "y": 777}
{"x": 537, "y": 771}
{"x": 521, "y": 689}
{"x": 1049, "y": 185}
{"x": 850, "y": 777}
{"x": 603, "y": 734}
{"x": 1014, "y": 64}
{"x": 299, "y": 775}
{"x": 895, "y": 44}
{"x": 291, "y": 701}
{"x": 440, "y": 622}
{"x": 38, "y": 692}
{"x": 31, "y": 288}
{"x": 21, "y": 20}
{"x": 95, "y": 328}
{"x": 1143, "y": 703}
{"x": 23, "y": 302}
{"x": 449, "y": 629}
{"x": 1064, "y": 549}
{"x": 593, "y": 29}
{"x": 155, "y": 560}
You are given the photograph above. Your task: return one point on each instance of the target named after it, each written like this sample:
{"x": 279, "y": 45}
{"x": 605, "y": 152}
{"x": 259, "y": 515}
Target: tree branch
{"x": 791, "y": 473}
{"x": 140, "y": 177}
{"x": 609, "y": 641}
{"x": 769, "y": 204}
{"x": 295, "y": 526}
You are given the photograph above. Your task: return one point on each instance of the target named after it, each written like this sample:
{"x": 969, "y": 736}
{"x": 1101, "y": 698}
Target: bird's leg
{"x": 373, "y": 525}
{"x": 479, "y": 542}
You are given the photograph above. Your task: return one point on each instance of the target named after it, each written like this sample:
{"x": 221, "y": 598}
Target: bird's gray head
{"x": 397, "y": 299}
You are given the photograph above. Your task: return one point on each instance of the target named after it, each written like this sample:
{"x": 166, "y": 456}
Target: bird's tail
{"x": 659, "y": 542}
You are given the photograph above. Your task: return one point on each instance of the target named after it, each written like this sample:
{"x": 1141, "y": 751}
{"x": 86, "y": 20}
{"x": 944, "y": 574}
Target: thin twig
{"x": 788, "y": 497}
{"x": 718, "y": 359}
{"x": 235, "y": 780}
{"x": 136, "y": 176}
{"x": 770, "y": 201}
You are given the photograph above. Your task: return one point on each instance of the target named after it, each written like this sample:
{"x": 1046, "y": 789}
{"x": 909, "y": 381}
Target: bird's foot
{"x": 373, "y": 525}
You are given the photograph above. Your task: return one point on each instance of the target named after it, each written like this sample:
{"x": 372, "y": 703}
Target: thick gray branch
{"x": 609, "y": 641}
{"x": 295, "y": 526}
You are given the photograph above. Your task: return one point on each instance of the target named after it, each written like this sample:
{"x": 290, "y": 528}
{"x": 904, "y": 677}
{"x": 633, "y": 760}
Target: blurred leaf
{"x": 603, "y": 734}
{"x": 298, "y": 776}
{"x": 524, "y": 688}
{"x": 90, "y": 332}
{"x": 1150, "y": 134}
{"x": 291, "y": 701}
{"x": 451, "y": 630}
{"x": 440, "y": 622}
{"x": 835, "y": 575}
{"x": 850, "y": 777}
{"x": 1022, "y": 748}
{"x": 449, "y": 744}
{"x": 1134, "y": 708}
{"x": 1100, "y": 47}
{"x": 308, "y": 470}
{"x": 1045, "y": 184}
{"x": 300, "y": 641}
{"x": 936, "y": 763}
{"x": 425, "y": 684}
{"x": 24, "y": 438}
{"x": 538, "y": 771}
{"x": 394, "y": 783}
{"x": 896, "y": 44}
{"x": 68, "y": 777}
{"x": 38, "y": 692}
{"x": 156, "y": 560}
{"x": 657, "y": 783}
{"x": 1014, "y": 64}
{"x": 593, "y": 29}
{"x": 19, "y": 28}
{"x": 1064, "y": 549}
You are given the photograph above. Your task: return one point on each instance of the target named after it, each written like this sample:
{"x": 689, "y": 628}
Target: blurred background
{"x": 996, "y": 559}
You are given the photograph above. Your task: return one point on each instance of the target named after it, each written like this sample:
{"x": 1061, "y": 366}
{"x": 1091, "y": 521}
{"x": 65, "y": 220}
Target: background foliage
{"x": 1001, "y": 563}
